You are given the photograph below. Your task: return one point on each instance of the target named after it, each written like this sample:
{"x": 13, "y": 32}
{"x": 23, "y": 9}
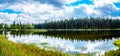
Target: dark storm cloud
{"x": 55, "y": 3}
{"x": 108, "y": 9}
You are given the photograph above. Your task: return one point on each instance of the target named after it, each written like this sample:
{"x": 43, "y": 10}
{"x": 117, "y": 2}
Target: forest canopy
{"x": 78, "y": 23}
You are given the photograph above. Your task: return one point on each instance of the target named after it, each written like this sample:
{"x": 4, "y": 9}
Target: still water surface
{"x": 75, "y": 42}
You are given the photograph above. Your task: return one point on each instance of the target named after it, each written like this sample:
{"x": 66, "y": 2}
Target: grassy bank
{"x": 117, "y": 43}
{"x": 8, "y": 48}
{"x": 33, "y": 30}
{"x": 114, "y": 52}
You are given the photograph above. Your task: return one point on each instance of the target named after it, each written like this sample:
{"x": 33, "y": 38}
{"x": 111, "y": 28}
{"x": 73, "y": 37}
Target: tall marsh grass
{"x": 114, "y": 52}
{"x": 8, "y": 48}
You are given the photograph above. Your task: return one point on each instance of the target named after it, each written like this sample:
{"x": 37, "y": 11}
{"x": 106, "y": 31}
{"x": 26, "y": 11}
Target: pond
{"x": 73, "y": 42}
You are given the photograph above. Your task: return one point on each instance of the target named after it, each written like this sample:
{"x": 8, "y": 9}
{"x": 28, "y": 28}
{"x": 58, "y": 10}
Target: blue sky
{"x": 76, "y": 3}
{"x": 10, "y": 11}
{"x": 117, "y": 4}
{"x": 38, "y": 11}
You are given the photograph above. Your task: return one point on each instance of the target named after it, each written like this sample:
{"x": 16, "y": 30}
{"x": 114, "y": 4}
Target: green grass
{"x": 43, "y": 43}
{"x": 8, "y": 48}
{"x": 38, "y": 30}
{"x": 114, "y": 52}
{"x": 117, "y": 42}
{"x": 32, "y": 30}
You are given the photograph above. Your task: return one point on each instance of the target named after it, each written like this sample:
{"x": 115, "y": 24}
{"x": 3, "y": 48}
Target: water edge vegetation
{"x": 8, "y": 48}
{"x": 114, "y": 52}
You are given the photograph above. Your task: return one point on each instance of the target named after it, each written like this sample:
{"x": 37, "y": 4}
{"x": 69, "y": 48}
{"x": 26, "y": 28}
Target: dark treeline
{"x": 81, "y": 23}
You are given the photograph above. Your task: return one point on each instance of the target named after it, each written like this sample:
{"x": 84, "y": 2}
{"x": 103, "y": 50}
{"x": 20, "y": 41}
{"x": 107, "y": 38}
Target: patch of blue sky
{"x": 88, "y": 2}
{"x": 117, "y": 13}
{"x": 10, "y": 11}
{"x": 117, "y": 4}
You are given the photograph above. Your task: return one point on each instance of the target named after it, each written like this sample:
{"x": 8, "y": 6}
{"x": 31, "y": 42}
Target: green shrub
{"x": 117, "y": 42}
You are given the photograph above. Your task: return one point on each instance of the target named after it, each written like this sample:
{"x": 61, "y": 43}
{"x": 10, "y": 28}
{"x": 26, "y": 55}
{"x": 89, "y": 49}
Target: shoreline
{"x": 44, "y": 30}
{"x": 81, "y": 29}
